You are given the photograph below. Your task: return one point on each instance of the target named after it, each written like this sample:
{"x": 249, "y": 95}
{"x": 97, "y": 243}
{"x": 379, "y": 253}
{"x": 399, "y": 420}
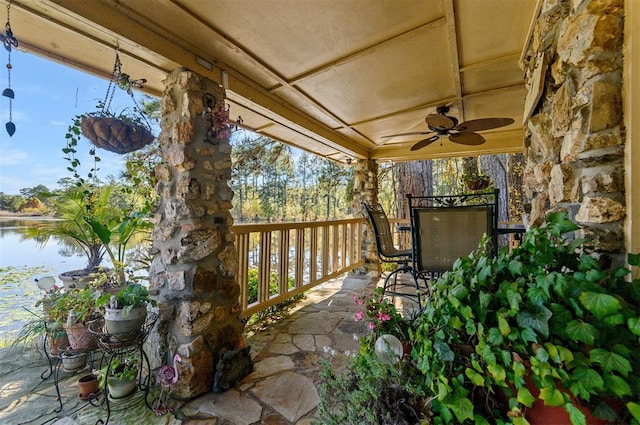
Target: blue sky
{"x": 47, "y": 96}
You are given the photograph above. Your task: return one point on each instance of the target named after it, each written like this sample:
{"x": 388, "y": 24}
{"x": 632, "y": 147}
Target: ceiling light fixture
{"x": 205, "y": 63}
{"x": 225, "y": 80}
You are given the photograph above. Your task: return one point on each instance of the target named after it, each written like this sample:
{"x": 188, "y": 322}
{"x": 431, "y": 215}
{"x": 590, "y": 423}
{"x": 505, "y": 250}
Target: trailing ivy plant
{"x": 546, "y": 313}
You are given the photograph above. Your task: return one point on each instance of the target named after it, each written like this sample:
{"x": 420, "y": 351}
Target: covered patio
{"x": 335, "y": 78}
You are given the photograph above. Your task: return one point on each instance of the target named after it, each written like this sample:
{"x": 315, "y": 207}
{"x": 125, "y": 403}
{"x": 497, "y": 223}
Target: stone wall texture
{"x": 194, "y": 267}
{"x": 365, "y": 189}
{"x": 575, "y": 141}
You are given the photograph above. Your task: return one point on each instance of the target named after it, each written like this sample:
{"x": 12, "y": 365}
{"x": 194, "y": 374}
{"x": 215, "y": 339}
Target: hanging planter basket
{"x": 121, "y": 133}
{"x": 115, "y": 135}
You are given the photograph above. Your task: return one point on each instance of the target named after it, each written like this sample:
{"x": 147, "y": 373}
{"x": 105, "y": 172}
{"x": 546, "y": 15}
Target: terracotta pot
{"x": 539, "y": 414}
{"x": 79, "y": 337}
{"x": 57, "y": 342}
{"x": 88, "y": 385}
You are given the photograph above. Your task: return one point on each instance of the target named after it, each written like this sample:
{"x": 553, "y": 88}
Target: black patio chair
{"x": 445, "y": 228}
{"x": 389, "y": 253}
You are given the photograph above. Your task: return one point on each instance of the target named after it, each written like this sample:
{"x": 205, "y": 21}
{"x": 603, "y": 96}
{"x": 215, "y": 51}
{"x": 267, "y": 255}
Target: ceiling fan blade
{"x": 439, "y": 121}
{"x": 414, "y": 133}
{"x": 483, "y": 124}
{"x": 467, "y": 138}
{"x": 424, "y": 142}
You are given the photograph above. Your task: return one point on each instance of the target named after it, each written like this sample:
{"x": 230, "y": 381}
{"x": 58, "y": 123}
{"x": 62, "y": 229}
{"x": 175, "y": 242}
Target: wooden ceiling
{"x": 330, "y": 76}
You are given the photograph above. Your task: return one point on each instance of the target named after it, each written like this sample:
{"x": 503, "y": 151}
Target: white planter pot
{"x": 72, "y": 362}
{"x": 120, "y": 389}
{"x": 116, "y": 322}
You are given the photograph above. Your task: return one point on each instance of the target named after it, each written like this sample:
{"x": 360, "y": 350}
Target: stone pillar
{"x": 365, "y": 189}
{"x": 194, "y": 268}
{"x": 575, "y": 143}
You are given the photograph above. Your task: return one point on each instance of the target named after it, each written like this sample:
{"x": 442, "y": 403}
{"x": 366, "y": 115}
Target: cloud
{"x": 12, "y": 157}
{"x": 17, "y": 117}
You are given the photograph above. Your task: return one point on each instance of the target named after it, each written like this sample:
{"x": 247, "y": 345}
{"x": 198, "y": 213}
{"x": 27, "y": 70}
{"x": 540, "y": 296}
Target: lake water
{"x": 22, "y": 261}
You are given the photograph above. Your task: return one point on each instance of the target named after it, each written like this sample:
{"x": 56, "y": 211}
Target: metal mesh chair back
{"x": 382, "y": 230}
{"x": 446, "y": 227}
{"x": 445, "y": 234}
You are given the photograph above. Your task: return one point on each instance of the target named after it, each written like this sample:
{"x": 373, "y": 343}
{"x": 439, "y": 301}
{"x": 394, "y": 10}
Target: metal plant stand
{"x": 117, "y": 347}
{"x": 56, "y": 363}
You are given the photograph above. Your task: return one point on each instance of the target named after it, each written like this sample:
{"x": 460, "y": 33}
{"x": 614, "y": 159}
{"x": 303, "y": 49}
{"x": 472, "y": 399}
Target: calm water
{"x": 20, "y": 292}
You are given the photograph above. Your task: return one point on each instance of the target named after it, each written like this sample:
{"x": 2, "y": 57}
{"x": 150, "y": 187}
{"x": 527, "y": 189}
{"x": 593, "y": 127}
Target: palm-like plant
{"x": 73, "y": 207}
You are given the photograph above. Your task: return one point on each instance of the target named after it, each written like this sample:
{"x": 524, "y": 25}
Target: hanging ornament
{"x": 9, "y": 41}
{"x": 389, "y": 349}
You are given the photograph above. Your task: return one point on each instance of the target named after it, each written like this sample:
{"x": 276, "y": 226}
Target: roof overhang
{"x": 329, "y": 76}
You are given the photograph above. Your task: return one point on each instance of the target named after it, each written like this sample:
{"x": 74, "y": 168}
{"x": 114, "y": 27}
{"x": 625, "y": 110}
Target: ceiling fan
{"x": 443, "y": 125}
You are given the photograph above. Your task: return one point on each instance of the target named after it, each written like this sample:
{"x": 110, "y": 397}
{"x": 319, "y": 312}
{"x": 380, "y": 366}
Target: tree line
{"x": 275, "y": 182}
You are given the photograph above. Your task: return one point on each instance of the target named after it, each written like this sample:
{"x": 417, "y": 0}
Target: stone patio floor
{"x": 282, "y": 390}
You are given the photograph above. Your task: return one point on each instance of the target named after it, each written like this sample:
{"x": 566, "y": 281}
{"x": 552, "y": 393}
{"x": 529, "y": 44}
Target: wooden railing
{"x": 290, "y": 258}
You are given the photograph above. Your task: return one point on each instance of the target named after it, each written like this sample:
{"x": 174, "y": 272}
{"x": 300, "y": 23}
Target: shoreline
{"x": 6, "y": 215}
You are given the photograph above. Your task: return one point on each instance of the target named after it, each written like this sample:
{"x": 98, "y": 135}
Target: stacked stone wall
{"x": 575, "y": 142}
{"x": 195, "y": 264}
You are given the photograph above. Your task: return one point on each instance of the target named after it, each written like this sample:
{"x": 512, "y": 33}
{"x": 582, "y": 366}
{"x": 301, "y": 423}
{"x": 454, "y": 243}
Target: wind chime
{"x": 9, "y": 41}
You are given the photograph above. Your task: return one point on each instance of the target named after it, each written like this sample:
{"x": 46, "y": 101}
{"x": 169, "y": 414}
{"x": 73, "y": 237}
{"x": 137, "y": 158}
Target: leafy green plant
{"x": 132, "y": 296}
{"x": 122, "y": 368}
{"x": 74, "y": 306}
{"x": 546, "y": 312}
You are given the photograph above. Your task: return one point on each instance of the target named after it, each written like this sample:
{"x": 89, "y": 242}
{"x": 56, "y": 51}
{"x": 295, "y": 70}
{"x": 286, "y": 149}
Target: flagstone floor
{"x": 282, "y": 390}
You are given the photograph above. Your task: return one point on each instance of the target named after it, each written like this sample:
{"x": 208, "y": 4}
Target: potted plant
{"x": 89, "y": 386}
{"x": 383, "y": 319}
{"x": 72, "y": 361}
{"x": 376, "y": 386}
{"x": 44, "y": 325}
{"x": 544, "y": 323}
{"x": 122, "y": 132}
{"x": 126, "y": 311}
{"x": 73, "y": 206}
{"x": 476, "y": 180}
{"x": 74, "y": 309}
{"x": 120, "y": 376}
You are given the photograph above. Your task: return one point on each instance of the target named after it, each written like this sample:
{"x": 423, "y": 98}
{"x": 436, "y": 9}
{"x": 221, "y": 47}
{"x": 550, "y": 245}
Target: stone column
{"x": 194, "y": 268}
{"x": 365, "y": 189}
{"x": 575, "y": 146}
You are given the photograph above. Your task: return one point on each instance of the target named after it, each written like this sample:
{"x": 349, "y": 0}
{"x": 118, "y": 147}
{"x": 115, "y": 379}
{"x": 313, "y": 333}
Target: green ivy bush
{"x": 545, "y": 312}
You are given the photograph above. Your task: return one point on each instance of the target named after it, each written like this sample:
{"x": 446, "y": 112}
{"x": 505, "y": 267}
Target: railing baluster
{"x": 335, "y": 248}
{"x": 242, "y": 242}
{"x": 324, "y": 253}
{"x": 300, "y": 257}
{"x": 283, "y": 281}
{"x": 313, "y": 258}
{"x": 264, "y": 268}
